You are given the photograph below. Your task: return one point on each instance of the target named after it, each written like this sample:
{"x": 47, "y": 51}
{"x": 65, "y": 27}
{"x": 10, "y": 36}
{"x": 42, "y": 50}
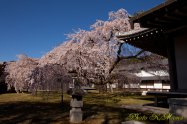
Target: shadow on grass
{"x": 159, "y": 104}
{"x": 162, "y": 101}
{"x": 49, "y": 113}
{"x": 115, "y": 115}
{"x": 28, "y": 112}
{"x": 149, "y": 98}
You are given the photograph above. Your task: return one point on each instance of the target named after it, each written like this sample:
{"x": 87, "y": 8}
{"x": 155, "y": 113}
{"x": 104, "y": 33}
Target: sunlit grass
{"x": 115, "y": 99}
{"x": 27, "y": 97}
{"x": 90, "y": 98}
{"x": 21, "y": 97}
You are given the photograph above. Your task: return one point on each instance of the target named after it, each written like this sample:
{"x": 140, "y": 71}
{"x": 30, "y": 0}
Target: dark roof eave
{"x": 138, "y": 34}
{"x": 161, "y": 6}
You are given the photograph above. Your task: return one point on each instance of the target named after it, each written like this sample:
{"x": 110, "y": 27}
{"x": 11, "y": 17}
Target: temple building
{"x": 164, "y": 31}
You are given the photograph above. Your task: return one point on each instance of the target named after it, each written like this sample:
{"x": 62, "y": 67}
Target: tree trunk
{"x": 111, "y": 88}
{"x": 117, "y": 60}
{"x": 102, "y": 88}
{"x": 62, "y": 97}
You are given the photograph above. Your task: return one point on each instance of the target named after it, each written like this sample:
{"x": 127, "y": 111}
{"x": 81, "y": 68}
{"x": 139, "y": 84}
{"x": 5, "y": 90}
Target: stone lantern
{"x": 76, "y": 104}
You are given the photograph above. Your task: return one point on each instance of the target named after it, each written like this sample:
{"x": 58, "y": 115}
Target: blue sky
{"x": 34, "y": 27}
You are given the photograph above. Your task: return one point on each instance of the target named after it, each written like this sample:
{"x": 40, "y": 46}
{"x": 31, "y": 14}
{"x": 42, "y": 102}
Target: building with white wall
{"x": 154, "y": 80}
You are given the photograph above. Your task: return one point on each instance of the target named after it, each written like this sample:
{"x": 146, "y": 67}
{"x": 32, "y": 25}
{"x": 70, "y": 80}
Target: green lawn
{"x": 98, "y": 108}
